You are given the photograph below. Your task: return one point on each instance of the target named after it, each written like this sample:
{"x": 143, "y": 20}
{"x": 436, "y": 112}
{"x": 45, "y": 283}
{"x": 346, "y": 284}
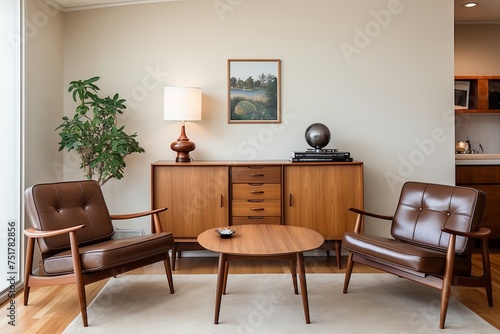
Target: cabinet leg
{"x": 174, "y": 255}
{"x": 337, "y": 253}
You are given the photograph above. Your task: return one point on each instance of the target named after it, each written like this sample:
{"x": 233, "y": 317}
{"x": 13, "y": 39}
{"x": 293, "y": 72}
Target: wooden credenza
{"x": 201, "y": 195}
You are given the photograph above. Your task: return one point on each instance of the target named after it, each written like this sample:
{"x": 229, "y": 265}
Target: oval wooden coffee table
{"x": 257, "y": 241}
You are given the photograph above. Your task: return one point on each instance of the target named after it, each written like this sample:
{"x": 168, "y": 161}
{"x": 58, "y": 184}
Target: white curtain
{"x": 10, "y": 146}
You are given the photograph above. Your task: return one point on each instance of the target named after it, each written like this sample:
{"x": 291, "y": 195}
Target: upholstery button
{"x": 448, "y": 214}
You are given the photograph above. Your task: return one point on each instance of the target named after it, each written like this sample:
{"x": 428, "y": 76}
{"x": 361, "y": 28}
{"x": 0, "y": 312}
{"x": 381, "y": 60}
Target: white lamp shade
{"x": 182, "y": 104}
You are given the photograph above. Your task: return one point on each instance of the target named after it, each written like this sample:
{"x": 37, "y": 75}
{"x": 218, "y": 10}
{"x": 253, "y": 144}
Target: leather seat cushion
{"x": 405, "y": 255}
{"x": 110, "y": 253}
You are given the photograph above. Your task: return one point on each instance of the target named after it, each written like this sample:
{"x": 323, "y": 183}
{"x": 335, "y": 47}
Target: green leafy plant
{"x": 94, "y": 134}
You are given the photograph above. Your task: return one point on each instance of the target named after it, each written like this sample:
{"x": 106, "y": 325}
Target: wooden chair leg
{"x": 80, "y": 285}
{"x": 27, "y": 271}
{"x": 26, "y": 293}
{"x": 168, "y": 270}
{"x": 445, "y": 296}
{"x": 486, "y": 270}
{"x": 348, "y": 272}
{"x": 83, "y": 301}
{"x": 489, "y": 292}
{"x": 448, "y": 274}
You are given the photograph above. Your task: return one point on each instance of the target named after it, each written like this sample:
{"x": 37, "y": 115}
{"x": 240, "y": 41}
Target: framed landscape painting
{"x": 253, "y": 90}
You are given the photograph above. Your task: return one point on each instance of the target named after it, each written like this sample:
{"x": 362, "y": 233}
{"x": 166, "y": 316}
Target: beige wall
{"x": 43, "y": 40}
{"x": 388, "y": 99}
{"x": 44, "y": 95}
{"x": 477, "y": 52}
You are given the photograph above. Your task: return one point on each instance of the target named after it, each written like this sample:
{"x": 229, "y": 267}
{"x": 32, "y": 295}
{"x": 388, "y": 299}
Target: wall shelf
{"x": 484, "y": 94}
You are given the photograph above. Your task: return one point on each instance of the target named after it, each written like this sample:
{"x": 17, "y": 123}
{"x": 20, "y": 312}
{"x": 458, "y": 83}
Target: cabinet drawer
{"x": 256, "y": 220}
{"x": 256, "y": 174}
{"x": 244, "y": 191}
{"x": 486, "y": 174}
{"x": 256, "y": 208}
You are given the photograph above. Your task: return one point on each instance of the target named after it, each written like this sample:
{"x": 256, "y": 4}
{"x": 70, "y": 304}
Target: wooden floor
{"x": 51, "y": 309}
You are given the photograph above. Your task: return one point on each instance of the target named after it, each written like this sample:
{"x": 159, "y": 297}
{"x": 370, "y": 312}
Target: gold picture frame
{"x": 253, "y": 90}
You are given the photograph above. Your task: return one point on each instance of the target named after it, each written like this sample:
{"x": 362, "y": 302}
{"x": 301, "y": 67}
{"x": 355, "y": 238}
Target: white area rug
{"x": 375, "y": 303}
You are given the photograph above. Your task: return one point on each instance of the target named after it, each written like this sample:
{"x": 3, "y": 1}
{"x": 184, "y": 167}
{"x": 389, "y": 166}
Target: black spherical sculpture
{"x": 317, "y": 135}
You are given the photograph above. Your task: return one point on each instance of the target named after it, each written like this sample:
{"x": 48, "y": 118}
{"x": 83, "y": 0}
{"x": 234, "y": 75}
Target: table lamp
{"x": 182, "y": 104}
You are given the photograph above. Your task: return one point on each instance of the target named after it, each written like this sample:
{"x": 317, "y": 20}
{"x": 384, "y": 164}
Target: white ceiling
{"x": 486, "y": 10}
{"x": 73, "y": 5}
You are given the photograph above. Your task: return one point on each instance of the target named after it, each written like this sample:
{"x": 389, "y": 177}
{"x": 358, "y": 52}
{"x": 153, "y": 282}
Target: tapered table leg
{"x": 220, "y": 285}
{"x": 293, "y": 271}
{"x": 303, "y": 285}
{"x": 226, "y": 272}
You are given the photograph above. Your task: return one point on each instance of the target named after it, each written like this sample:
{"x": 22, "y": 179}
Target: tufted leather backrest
{"x": 53, "y": 206}
{"x": 423, "y": 209}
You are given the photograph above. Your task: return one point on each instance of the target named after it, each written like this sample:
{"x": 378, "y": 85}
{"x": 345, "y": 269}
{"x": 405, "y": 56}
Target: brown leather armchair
{"x": 74, "y": 232}
{"x": 432, "y": 240}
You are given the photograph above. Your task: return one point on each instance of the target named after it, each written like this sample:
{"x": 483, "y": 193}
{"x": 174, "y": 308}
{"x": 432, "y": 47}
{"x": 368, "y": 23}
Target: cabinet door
{"x": 487, "y": 179}
{"x": 318, "y": 197}
{"x": 196, "y": 198}
{"x": 484, "y": 92}
{"x": 492, "y": 209}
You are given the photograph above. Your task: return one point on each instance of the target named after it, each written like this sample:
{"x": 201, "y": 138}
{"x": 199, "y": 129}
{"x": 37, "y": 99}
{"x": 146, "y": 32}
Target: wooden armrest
{"x": 32, "y": 233}
{"x": 136, "y": 215}
{"x": 374, "y": 215}
{"x": 482, "y": 233}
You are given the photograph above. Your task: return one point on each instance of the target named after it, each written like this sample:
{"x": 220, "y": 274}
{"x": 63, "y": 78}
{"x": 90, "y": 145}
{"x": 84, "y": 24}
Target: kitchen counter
{"x": 477, "y": 159}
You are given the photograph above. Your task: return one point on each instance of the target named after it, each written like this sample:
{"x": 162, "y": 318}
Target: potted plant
{"x": 94, "y": 134}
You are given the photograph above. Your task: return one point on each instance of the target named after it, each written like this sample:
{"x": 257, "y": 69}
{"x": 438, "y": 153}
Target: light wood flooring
{"x": 51, "y": 309}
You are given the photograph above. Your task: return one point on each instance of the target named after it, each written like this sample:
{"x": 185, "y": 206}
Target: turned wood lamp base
{"x": 183, "y": 146}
